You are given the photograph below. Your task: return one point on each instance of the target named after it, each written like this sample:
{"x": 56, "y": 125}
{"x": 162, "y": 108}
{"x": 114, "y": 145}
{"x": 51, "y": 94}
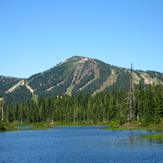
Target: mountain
{"x": 6, "y": 83}
{"x": 75, "y": 75}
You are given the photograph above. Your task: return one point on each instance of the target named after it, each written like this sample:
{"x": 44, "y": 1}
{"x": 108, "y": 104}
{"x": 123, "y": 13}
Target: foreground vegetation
{"x": 14, "y": 126}
{"x": 135, "y": 125}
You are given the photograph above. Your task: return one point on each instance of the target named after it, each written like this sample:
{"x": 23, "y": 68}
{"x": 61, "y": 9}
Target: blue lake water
{"x": 79, "y": 145}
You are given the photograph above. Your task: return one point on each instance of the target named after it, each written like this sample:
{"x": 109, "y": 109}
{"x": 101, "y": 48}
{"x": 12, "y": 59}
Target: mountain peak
{"x": 74, "y": 75}
{"x": 78, "y": 58}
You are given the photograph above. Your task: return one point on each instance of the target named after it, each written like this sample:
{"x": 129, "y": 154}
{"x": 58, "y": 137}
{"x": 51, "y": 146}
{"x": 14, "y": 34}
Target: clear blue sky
{"x": 35, "y": 35}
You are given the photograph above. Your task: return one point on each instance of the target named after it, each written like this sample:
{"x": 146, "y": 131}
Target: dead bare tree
{"x": 131, "y": 93}
{"x": 2, "y": 111}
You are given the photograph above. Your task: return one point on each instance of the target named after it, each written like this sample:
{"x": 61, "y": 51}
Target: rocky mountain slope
{"x": 73, "y": 76}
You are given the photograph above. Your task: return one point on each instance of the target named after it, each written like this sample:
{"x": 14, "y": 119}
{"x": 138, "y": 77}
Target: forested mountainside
{"x": 6, "y": 83}
{"x": 102, "y": 108}
{"x": 75, "y": 75}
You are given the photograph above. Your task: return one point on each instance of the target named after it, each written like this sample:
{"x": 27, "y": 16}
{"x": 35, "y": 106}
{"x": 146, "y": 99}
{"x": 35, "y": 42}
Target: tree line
{"x": 82, "y": 108}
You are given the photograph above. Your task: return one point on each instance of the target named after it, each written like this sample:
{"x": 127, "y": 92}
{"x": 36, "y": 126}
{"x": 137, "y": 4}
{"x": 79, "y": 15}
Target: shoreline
{"x": 44, "y": 126}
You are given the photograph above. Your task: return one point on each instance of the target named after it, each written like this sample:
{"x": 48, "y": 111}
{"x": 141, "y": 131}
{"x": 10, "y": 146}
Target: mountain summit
{"x": 74, "y": 75}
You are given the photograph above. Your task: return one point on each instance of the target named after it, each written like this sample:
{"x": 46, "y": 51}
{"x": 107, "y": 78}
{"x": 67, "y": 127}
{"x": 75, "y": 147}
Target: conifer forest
{"x": 145, "y": 106}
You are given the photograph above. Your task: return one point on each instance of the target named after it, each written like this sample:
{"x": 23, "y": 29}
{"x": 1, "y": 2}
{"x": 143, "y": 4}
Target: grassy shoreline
{"x": 6, "y": 127}
{"x": 135, "y": 125}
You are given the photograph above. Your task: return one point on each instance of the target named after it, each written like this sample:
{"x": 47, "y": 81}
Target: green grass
{"x": 134, "y": 125}
{"x": 6, "y": 126}
{"x": 152, "y": 136}
{"x": 114, "y": 125}
{"x": 12, "y": 126}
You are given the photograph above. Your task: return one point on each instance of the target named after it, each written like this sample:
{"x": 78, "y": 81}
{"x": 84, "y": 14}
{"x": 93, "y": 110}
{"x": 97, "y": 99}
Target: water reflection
{"x": 152, "y": 141}
{"x": 131, "y": 139}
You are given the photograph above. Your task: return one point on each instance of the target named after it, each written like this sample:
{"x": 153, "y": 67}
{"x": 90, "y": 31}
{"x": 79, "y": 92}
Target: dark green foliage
{"x": 2, "y": 128}
{"x": 19, "y": 94}
{"x": 122, "y": 82}
{"x": 6, "y": 83}
{"x": 85, "y": 80}
{"x": 82, "y": 108}
{"x": 137, "y": 73}
{"x": 59, "y": 89}
{"x": 154, "y": 74}
{"x": 53, "y": 76}
{"x": 105, "y": 72}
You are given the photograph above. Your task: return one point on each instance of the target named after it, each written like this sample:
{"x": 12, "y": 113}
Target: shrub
{"x": 2, "y": 127}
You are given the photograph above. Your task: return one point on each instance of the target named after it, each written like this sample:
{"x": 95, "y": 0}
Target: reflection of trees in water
{"x": 145, "y": 143}
{"x": 153, "y": 140}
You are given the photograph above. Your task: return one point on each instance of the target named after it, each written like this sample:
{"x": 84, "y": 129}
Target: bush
{"x": 2, "y": 127}
{"x": 157, "y": 120}
{"x": 122, "y": 121}
{"x": 114, "y": 123}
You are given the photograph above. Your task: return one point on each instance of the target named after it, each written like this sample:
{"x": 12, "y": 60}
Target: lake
{"x": 79, "y": 145}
